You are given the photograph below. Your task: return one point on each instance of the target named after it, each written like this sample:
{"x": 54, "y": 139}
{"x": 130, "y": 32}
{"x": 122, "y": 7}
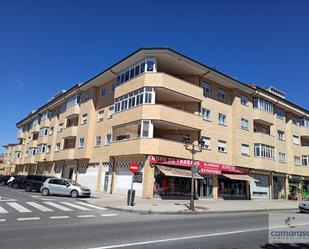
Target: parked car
{"x": 4, "y": 180}
{"x": 304, "y": 205}
{"x": 60, "y": 186}
{"x": 34, "y": 182}
{"x": 18, "y": 182}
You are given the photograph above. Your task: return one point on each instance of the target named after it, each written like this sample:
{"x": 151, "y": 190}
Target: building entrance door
{"x": 204, "y": 189}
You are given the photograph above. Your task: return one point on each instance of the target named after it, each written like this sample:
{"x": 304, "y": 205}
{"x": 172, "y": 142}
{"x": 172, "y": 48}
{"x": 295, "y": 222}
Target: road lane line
{"x": 19, "y": 207}
{"x": 2, "y": 220}
{"x": 39, "y": 206}
{"x": 28, "y": 218}
{"x": 55, "y": 205}
{"x": 75, "y": 206}
{"x": 85, "y": 216}
{"x": 3, "y": 211}
{"x": 179, "y": 238}
{"x": 108, "y": 215}
{"x": 59, "y": 217}
{"x": 90, "y": 205}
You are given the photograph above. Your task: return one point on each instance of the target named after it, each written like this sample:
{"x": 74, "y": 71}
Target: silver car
{"x": 304, "y": 205}
{"x": 59, "y": 186}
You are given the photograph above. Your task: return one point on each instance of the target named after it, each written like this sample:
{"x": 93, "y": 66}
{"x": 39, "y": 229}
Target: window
{"x": 222, "y": 119}
{"x": 108, "y": 139}
{"x": 146, "y": 128}
{"x": 296, "y": 140}
{"x": 18, "y": 154}
{"x": 58, "y": 145}
{"x": 245, "y": 149}
{"x": 295, "y": 120}
{"x": 41, "y": 148}
{"x": 297, "y": 161}
{"x": 141, "y": 96}
{"x": 73, "y": 101}
{"x": 263, "y": 104}
{"x": 51, "y": 131}
{"x": 60, "y": 127}
{"x": 151, "y": 64}
{"x": 264, "y": 151}
{"x": 279, "y": 113}
{"x": 304, "y": 122}
{"x": 244, "y": 124}
{"x": 221, "y": 146}
{"x": 282, "y": 157}
{"x": 206, "y": 141}
{"x": 98, "y": 141}
{"x": 305, "y": 160}
{"x": 280, "y": 135}
{"x": 100, "y": 116}
{"x": 206, "y": 88}
{"x": 44, "y": 131}
{"x": 81, "y": 143}
{"x": 87, "y": 96}
{"x": 84, "y": 118}
{"x": 103, "y": 91}
{"x": 206, "y": 114}
{"x": 221, "y": 94}
{"x": 110, "y": 111}
{"x": 45, "y": 115}
{"x": 244, "y": 99}
{"x": 48, "y": 148}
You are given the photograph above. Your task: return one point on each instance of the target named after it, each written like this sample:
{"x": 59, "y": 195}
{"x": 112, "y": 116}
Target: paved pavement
{"x": 118, "y": 202}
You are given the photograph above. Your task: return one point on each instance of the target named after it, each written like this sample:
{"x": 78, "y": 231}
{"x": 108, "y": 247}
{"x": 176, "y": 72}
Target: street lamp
{"x": 193, "y": 148}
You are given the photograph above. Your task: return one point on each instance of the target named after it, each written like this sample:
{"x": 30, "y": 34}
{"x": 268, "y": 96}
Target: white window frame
{"x": 297, "y": 160}
{"x": 100, "y": 115}
{"x": 108, "y": 139}
{"x": 84, "y": 119}
{"x": 98, "y": 139}
{"x": 207, "y": 142}
{"x": 244, "y": 124}
{"x": 282, "y": 157}
{"x": 244, "y": 99}
{"x": 245, "y": 149}
{"x": 222, "y": 146}
{"x": 296, "y": 140}
{"x": 206, "y": 88}
{"x": 206, "y": 114}
{"x": 222, "y": 119}
{"x": 280, "y": 135}
{"x": 81, "y": 144}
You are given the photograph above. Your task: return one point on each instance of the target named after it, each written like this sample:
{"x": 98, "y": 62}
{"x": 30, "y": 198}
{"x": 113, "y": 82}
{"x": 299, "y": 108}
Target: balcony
{"x": 45, "y": 122}
{"x": 69, "y": 132}
{"x": 33, "y": 143}
{"x": 65, "y": 154}
{"x": 161, "y": 80}
{"x": 149, "y": 146}
{"x": 73, "y": 110}
{"x": 263, "y": 117}
{"x": 259, "y": 137}
{"x": 159, "y": 113}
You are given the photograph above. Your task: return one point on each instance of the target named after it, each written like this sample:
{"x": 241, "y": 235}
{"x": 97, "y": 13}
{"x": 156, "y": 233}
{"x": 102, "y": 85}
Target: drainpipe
{"x": 77, "y": 170}
{"x": 112, "y": 173}
{"x": 200, "y": 83}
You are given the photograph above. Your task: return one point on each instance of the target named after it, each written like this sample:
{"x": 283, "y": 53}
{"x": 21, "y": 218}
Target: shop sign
{"x": 204, "y": 167}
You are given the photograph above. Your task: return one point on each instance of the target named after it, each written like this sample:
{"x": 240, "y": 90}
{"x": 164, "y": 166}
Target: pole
{"x": 192, "y": 180}
{"x": 130, "y": 198}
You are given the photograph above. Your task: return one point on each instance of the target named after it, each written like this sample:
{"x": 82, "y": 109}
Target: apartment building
{"x": 142, "y": 110}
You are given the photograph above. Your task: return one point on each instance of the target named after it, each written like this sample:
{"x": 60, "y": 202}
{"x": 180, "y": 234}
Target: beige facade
{"x": 147, "y": 104}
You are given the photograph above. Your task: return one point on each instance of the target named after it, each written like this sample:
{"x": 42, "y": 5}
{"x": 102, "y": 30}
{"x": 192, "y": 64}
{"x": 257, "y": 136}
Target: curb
{"x": 198, "y": 212}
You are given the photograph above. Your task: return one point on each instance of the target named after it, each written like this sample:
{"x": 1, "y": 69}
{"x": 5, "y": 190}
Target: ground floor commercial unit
{"x": 170, "y": 178}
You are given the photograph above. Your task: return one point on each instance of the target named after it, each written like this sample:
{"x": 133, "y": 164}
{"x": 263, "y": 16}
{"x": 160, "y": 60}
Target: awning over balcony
{"x": 239, "y": 177}
{"x": 170, "y": 171}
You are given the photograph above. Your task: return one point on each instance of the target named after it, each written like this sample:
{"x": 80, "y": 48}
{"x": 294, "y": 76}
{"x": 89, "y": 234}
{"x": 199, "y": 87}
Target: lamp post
{"x": 193, "y": 148}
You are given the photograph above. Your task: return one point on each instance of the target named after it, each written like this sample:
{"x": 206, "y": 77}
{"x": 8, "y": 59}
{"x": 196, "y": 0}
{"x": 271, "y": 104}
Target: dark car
{"x": 34, "y": 182}
{"x": 4, "y": 180}
{"x": 18, "y": 182}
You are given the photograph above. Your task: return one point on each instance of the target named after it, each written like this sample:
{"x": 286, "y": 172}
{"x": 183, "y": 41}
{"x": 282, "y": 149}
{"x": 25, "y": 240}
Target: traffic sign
{"x": 134, "y": 168}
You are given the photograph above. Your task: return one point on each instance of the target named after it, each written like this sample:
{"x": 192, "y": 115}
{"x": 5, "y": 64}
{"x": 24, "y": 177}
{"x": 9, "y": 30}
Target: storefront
{"x": 259, "y": 189}
{"x": 295, "y": 187}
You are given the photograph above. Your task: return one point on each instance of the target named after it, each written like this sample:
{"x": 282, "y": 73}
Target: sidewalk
{"x": 119, "y": 202}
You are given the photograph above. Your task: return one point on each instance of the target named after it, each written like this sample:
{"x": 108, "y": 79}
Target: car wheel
{"x": 29, "y": 188}
{"x": 45, "y": 192}
{"x": 74, "y": 194}
{"x": 15, "y": 185}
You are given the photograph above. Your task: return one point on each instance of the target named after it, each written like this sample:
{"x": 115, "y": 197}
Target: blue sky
{"x": 46, "y": 46}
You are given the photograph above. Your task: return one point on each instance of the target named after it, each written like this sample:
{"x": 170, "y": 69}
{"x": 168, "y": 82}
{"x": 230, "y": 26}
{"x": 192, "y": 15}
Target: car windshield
{"x": 74, "y": 183}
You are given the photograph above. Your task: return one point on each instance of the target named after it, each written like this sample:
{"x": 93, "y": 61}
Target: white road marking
{"x": 90, "y": 205}
{"x": 3, "y": 211}
{"x": 2, "y": 220}
{"x": 28, "y": 218}
{"x": 179, "y": 238}
{"x": 58, "y": 217}
{"x": 19, "y": 207}
{"x": 39, "y": 206}
{"x": 85, "y": 216}
{"x": 75, "y": 206}
{"x": 55, "y": 205}
{"x": 108, "y": 215}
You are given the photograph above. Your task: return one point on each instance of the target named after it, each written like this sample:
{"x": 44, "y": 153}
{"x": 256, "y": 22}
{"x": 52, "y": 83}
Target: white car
{"x": 60, "y": 186}
{"x": 304, "y": 205}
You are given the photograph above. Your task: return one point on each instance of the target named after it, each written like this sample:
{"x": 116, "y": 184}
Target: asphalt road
{"x": 101, "y": 228}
